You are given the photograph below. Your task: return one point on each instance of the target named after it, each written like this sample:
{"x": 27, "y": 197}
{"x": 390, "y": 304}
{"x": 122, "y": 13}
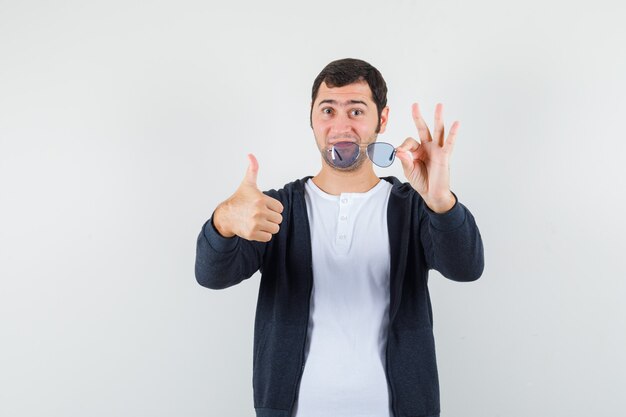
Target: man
{"x": 344, "y": 321}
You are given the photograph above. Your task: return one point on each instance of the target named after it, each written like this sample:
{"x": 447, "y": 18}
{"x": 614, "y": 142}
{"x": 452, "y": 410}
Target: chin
{"x": 352, "y": 168}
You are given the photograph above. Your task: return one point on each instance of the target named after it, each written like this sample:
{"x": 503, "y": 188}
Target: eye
{"x": 357, "y": 112}
{"x": 327, "y": 110}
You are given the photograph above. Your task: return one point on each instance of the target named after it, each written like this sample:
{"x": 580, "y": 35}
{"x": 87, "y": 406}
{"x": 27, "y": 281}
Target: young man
{"x": 344, "y": 321}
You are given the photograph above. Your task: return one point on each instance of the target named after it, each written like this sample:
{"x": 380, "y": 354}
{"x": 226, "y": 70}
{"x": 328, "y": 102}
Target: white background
{"x": 124, "y": 123}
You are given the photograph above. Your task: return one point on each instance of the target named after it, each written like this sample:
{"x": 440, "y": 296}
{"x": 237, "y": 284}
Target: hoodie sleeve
{"x": 452, "y": 242}
{"x": 223, "y": 262}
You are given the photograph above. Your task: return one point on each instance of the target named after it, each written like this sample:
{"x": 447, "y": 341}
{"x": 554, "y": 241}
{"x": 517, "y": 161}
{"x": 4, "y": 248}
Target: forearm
{"x": 453, "y": 244}
{"x": 223, "y": 262}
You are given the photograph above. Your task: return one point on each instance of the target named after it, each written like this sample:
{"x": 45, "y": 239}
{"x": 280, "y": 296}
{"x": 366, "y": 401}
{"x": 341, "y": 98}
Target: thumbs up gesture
{"x": 249, "y": 213}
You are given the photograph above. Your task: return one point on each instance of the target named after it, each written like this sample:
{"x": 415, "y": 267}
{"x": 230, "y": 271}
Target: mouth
{"x": 333, "y": 142}
{"x": 342, "y": 143}
{"x": 340, "y": 138}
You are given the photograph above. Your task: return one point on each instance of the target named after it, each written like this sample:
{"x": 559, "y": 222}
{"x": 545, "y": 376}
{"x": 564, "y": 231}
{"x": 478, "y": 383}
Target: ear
{"x": 384, "y": 116}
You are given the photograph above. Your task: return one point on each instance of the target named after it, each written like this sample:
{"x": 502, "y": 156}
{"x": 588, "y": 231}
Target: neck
{"x": 335, "y": 182}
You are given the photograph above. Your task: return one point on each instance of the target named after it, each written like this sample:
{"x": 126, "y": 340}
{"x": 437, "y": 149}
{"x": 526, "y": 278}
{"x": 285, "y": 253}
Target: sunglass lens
{"x": 381, "y": 153}
{"x": 343, "y": 154}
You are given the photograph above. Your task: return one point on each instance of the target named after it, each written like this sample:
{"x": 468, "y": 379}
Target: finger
{"x": 273, "y": 204}
{"x": 438, "y": 133}
{"x": 273, "y": 217}
{"x": 252, "y": 171}
{"x": 408, "y": 149}
{"x": 269, "y": 227}
{"x": 407, "y": 160}
{"x": 407, "y": 153}
{"x": 409, "y": 144}
{"x": 261, "y": 236}
{"x": 450, "y": 141}
{"x": 422, "y": 127}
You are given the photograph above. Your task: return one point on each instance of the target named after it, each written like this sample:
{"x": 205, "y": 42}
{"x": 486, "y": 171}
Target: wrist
{"x": 219, "y": 223}
{"x": 443, "y": 204}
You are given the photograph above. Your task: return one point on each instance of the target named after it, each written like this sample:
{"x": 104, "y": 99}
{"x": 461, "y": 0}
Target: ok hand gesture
{"x": 426, "y": 163}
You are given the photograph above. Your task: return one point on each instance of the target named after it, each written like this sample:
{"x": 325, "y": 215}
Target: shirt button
{"x": 344, "y": 218}
{"x": 344, "y": 201}
{"x": 342, "y": 237}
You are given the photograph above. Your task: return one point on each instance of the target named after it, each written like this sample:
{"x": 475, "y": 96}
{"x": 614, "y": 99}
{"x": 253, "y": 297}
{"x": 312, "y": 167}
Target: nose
{"x": 342, "y": 124}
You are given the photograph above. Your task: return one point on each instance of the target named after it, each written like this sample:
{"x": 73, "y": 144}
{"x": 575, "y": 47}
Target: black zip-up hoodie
{"x": 420, "y": 240}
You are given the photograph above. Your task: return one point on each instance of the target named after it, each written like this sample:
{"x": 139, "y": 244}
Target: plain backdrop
{"x": 124, "y": 123}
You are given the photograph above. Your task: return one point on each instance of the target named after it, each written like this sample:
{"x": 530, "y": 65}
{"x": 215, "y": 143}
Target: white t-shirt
{"x": 344, "y": 374}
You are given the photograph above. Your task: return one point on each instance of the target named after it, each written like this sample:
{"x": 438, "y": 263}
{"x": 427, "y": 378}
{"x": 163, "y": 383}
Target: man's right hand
{"x": 249, "y": 213}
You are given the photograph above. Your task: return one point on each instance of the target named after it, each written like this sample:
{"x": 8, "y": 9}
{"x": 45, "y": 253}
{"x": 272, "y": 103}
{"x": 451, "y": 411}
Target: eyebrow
{"x": 345, "y": 103}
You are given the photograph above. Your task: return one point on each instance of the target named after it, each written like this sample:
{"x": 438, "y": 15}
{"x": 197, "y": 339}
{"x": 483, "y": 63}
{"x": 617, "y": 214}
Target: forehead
{"x": 355, "y": 91}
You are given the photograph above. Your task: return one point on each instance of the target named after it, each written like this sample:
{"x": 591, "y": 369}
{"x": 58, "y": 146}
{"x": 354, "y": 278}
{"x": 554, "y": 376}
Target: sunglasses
{"x": 344, "y": 154}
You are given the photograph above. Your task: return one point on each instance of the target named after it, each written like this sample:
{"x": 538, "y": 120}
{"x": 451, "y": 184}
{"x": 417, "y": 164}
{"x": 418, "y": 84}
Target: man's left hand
{"x": 426, "y": 164}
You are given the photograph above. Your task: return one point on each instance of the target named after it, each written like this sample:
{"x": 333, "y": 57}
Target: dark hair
{"x": 347, "y": 71}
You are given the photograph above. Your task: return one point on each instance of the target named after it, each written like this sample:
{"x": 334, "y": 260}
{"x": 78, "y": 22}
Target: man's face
{"x": 346, "y": 114}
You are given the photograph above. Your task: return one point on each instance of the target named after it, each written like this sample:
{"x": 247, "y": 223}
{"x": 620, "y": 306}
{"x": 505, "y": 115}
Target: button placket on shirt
{"x": 343, "y": 230}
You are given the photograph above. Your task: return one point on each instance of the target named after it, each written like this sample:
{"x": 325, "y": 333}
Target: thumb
{"x": 251, "y": 173}
{"x": 406, "y": 157}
